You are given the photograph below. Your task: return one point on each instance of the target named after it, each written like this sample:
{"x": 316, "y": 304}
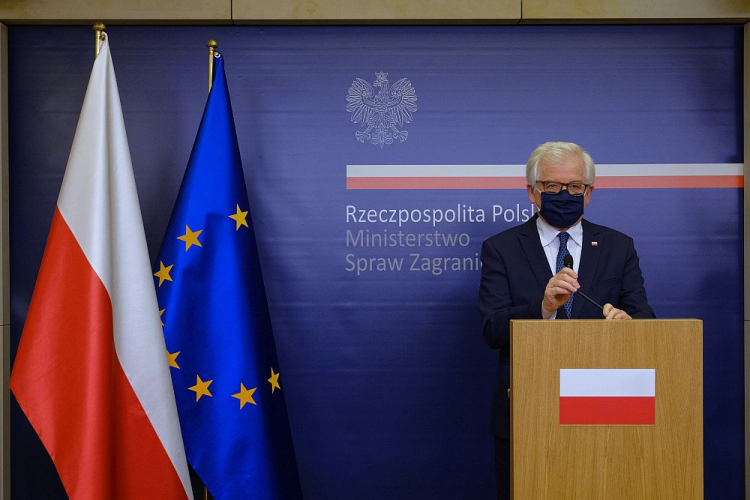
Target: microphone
{"x": 568, "y": 262}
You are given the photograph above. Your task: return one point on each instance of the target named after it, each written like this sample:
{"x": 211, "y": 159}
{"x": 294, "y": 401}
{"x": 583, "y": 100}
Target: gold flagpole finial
{"x": 99, "y": 28}
{"x": 212, "y": 46}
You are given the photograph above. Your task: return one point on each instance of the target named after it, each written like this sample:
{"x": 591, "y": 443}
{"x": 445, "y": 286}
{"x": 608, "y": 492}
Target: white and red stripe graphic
{"x": 672, "y": 175}
{"x": 607, "y": 396}
{"x": 91, "y": 372}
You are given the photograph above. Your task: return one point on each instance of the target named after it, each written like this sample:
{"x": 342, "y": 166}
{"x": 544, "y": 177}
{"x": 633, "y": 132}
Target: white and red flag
{"x": 607, "y": 396}
{"x": 91, "y": 373}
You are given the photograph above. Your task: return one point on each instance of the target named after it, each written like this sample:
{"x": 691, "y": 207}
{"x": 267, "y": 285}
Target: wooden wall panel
{"x": 369, "y": 11}
{"x": 120, "y": 11}
{"x": 635, "y": 10}
{"x": 747, "y": 258}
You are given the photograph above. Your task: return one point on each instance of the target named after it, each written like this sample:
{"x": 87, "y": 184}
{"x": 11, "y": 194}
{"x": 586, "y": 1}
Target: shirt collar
{"x": 548, "y": 233}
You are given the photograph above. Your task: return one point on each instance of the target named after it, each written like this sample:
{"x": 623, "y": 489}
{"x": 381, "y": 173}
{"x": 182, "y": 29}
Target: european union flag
{"x": 226, "y": 377}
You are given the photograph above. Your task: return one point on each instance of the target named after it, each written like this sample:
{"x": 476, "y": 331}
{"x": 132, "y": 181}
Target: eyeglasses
{"x": 552, "y": 187}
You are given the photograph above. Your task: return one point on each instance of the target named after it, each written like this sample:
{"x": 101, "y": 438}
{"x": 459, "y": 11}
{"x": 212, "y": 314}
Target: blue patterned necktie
{"x": 561, "y": 263}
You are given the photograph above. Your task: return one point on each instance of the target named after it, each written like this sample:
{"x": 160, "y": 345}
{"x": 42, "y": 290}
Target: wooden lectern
{"x": 658, "y": 457}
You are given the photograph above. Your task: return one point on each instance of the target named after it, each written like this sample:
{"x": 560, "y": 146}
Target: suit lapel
{"x": 532, "y": 247}
{"x": 587, "y": 267}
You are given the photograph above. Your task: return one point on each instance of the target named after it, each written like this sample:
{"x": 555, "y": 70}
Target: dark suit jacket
{"x": 515, "y": 273}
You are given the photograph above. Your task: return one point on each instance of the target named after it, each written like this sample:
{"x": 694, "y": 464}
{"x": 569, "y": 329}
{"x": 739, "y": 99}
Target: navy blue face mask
{"x": 561, "y": 210}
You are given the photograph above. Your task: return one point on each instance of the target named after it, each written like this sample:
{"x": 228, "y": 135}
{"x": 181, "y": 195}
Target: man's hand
{"x": 558, "y": 291}
{"x": 611, "y": 312}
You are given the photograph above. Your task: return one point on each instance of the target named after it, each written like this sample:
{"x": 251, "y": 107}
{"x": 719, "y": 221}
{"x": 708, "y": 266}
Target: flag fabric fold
{"x": 91, "y": 373}
{"x": 228, "y": 383}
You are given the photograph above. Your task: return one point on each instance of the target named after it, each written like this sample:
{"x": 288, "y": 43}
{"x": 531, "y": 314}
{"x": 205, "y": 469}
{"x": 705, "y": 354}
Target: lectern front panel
{"x": 607, "y": 409}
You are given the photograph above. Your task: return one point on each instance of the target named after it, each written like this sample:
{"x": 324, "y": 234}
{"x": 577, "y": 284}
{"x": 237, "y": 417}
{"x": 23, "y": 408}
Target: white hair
{"x": 556, "y": 152}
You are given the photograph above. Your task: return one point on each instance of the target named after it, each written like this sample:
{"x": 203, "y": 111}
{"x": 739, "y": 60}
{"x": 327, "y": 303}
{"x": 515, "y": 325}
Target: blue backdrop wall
{"x": 386, "y": 376}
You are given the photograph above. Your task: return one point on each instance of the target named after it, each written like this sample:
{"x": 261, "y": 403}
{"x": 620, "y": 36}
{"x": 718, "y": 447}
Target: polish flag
{"x": 608, "y": 397}
{"x": 91, "y": 373}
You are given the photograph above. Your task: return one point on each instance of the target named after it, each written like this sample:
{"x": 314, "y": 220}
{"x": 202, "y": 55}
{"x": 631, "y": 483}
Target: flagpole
{"x": 212, "y": 46}
{"x": 99, "y": 28}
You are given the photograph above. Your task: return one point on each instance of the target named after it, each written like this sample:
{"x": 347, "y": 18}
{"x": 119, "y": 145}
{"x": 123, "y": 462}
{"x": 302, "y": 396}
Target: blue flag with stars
{"x": 221, "y": 351}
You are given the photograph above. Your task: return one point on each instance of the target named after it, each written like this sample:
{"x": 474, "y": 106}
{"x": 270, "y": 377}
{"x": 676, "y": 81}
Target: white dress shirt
{"x": 551, "y": 244}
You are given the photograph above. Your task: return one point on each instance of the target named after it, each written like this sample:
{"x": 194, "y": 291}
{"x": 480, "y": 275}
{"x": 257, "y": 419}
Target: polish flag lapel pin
{"x": 594, "y": 243}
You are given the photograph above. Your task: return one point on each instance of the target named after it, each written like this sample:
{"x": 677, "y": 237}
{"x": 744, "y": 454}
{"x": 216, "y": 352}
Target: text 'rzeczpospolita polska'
{"x": 425, "y": 240}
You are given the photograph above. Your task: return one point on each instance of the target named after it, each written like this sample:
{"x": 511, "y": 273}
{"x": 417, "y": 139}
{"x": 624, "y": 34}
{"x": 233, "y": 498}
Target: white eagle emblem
{"x": 384, "y": 112}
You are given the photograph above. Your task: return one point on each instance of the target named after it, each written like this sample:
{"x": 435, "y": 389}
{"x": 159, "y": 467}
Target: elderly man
{"x": 524, "y": 276}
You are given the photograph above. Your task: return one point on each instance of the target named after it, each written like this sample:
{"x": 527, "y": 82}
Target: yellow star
{"x": 173, "y": 359}
{"x": 190, "y": 238}
{"x": 163, "y": 273}
{"x": 240, "y": 218}
{"x": 201, "y": 388}
{"x": 161, "y": 313}
{"x": 245, "y": 395}
{"x": 274, "y": 380}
